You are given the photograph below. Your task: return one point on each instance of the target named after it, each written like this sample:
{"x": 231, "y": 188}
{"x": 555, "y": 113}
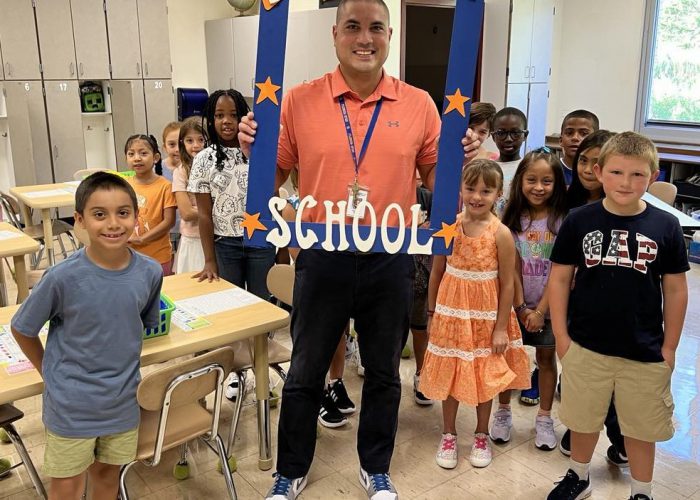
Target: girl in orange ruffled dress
{"x": 475, "y": 348}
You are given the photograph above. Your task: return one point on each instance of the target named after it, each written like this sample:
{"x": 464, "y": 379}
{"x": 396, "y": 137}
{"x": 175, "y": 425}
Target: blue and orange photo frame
{"x": 262, "y": 222}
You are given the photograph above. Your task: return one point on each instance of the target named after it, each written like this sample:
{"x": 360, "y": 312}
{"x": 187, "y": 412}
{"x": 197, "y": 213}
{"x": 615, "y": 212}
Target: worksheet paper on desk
{"x": 46, "y": 193}
{"x": 7, "y": 235}
{"x": 11, "y": 356}
{"x": 212, "y": 303}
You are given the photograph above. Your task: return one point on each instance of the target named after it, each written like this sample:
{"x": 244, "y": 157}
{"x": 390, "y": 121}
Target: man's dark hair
{"x": 508, "y": 111}
{"x": 102, "y": 181}
{"x": 586, "y": 115}
{"x": 341, "y": 5}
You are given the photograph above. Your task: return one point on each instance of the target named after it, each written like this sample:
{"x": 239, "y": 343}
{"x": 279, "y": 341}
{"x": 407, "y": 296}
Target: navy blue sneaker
{"x": 285, "y": 488}
{"x": 378, "y": 486}
{"x": 531, "y": 396}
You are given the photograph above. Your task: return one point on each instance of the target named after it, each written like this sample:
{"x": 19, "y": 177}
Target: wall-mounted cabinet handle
{"x": 138, "y": 69}
{"x": 145, "y": 68}
{"x": 252, "y": 84}
{"x": 8, "y": 69}
{"x": 527, "y": 72}
{"x": 532, "y": 74}
{"x": 71, "y": 68}
{"x": 81, "y": 69}
{"x": 55, "y": 152}
{"x": 4, "y": 134}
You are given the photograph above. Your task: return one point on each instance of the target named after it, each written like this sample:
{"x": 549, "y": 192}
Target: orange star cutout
{"x": 457, "y": 101}
{"x": 269, "y": 4}
{"x": 251, "y": 223}
{"x": 448, "y": 232}
{"x": 267, "y": 91}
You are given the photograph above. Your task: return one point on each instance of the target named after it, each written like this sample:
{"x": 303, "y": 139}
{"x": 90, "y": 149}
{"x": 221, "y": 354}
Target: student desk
{"x": 16, "y": 248}
{"x": 686, "y": 221}
{"x": 226, "y": 327}
{"x": 56, "y": 196}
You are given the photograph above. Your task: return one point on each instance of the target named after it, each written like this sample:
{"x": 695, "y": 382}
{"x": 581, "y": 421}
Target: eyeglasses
{"x": 515, "y": 134}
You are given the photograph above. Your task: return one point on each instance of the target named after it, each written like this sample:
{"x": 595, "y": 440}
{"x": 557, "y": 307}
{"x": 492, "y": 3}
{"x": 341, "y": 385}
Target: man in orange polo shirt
{"x": 397, "y": 127}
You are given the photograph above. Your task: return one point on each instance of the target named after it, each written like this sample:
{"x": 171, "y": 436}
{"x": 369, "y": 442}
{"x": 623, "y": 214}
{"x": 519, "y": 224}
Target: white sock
{"x": 580, "y": 469}
{"x": 641, "y": 488}
{"x": 333, "y": 381}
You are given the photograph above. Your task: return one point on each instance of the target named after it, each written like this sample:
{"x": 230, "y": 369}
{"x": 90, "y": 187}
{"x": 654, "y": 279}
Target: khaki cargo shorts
{"x": 642, "y": 393}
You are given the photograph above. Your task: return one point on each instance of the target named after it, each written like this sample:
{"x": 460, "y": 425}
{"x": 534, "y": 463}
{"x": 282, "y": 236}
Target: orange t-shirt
{"x": 313, "y": 136}
{"x": 153, "y": 199}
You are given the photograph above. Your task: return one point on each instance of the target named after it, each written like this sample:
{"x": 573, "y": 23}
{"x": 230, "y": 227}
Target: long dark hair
{"x": 152, "y": 143}
{"x": 517, "y": 203}
{"x": 577, "y": 195}
{"x": 242, "y": 109}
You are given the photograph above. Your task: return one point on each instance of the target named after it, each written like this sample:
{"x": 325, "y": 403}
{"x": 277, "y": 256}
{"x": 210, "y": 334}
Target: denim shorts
{"x": 545, "y": 338}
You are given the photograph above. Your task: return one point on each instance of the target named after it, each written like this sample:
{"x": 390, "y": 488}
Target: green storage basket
{"x": 167, "y": 307}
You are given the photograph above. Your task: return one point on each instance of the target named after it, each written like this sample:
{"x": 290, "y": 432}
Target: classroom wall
{"x": 495, "y": 52}
{"x": 596, "y": 56}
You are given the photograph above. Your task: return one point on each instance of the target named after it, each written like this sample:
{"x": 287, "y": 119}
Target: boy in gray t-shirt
{"x": 97, "y": 303}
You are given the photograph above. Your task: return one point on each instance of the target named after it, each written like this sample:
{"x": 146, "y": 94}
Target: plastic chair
{"x": 81, "y": 174}
{"x": 280, "y": 283}
{"x": 8, "y": 415}
{"x": 171, "y": 413}
{"x": 36, "y": 231}
{"x": 665, "y": 191}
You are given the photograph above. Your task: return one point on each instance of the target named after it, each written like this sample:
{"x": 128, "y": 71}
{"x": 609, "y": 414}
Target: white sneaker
{"x": 231, "y": 391}
{"x": 481, "y": 455}
{"x": 378, "y": 486}
{"x": 502, "y": 424}
{"x": 545, "y": 439}
{"x": 418, "y": 396}
{"x": 285, "y": 488}
{"x": 446, "y": 456}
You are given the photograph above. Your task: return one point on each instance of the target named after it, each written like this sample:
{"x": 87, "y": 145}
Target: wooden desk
{"x": 44, "y": 203}
{"x": 16, "y": 248}
{"x": 226, "y": 327}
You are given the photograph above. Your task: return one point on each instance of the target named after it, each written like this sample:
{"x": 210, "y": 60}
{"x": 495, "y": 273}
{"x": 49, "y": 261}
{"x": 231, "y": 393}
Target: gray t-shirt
{"x": 93, "y": 349}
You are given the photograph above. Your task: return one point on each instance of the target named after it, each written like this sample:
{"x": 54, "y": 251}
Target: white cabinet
{"x": 90, "y": 34}
{"x": 55, "y": 27}
{"x": 2, "y": 66}
{"x": 155, "y": 45}
{"x": 123, "y": 29}
{"x": 232, "y": 50}
{"x": 537, "y": 115}
{"x": 66, "y": 128}
{"x": 128, "y": 114}
{"x": 245, "y": 49}
{"x": 28, "y": 136}
{"x": 218, "y": 35}
{"x": 160, "y": 105}
{"x": 530, "y": 41}
{"x": 20, "y": 52}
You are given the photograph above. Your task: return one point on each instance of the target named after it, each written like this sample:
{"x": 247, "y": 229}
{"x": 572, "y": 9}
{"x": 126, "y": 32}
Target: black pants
{"x": 612, "y": 429}
{"x": 330, "y": 288}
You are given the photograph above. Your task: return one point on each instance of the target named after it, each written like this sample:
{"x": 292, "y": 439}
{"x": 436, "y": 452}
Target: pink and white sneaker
{"x": 481, "y": 451}
{"x": 446, "y": 456}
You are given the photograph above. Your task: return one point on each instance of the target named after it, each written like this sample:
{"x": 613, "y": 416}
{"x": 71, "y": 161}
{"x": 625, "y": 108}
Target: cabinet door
{"x": 245, "y": 48}
{"x": 29, "y": 138}
{"x": 20, "y": 52}
{"x": 537, "y": 115}
{"x": 66, "y": 127}
{"x": 518, "y": 98}
{"x": 155, "y": 44}
{"x": 160, "y": 105}
{"x": 123, "y": 30}
{"x": 2, "y": 66}
{"x": 55, "y": 28}
{"x": 128, "y": 114}
{"x": 520, "y": 41}
{"x": 320, "y": 42}
{"x": 218, "y": 35}
{"x": 296, "y": 68}
{"x": 90, "y": 33}
{"x": 542, "y": 29}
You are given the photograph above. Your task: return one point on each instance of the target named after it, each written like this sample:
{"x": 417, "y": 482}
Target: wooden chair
{"x": 665, "y": 191}
{"x": 36, "y": 231}
{"x": 280, "y": 283}
{"x": 171, "y": 413}
{"x": 81, "y": 174}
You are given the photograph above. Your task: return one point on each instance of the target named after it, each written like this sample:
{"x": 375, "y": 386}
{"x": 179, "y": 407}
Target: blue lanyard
{"x": 348, "y": 130}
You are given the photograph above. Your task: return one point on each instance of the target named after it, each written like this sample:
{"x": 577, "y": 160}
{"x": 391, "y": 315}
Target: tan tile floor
{"x": 518, "y": 471}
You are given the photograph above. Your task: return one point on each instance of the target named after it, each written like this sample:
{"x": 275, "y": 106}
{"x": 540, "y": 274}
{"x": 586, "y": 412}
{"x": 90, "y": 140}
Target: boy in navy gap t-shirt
{"x": 97, "y": 303}
{"x": 618, "y": 329}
